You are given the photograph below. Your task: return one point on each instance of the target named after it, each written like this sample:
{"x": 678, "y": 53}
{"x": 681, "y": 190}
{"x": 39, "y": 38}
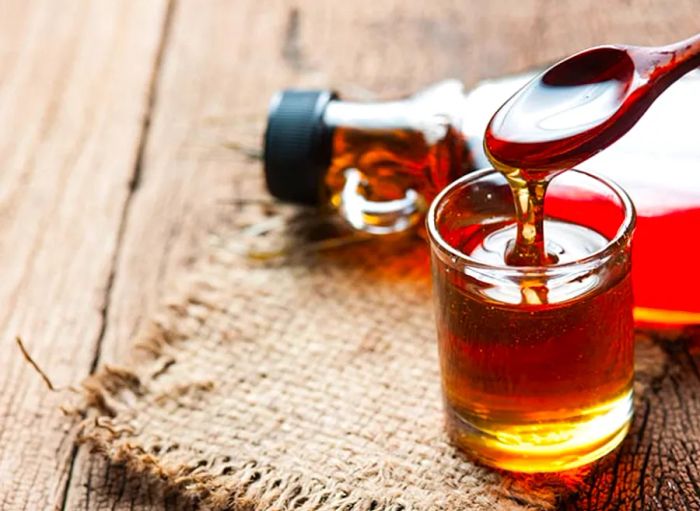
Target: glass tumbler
{"x": 536, "y": 361}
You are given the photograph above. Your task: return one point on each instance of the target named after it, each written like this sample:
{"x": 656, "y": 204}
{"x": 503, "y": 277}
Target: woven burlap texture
{"x": 308, "y": 383}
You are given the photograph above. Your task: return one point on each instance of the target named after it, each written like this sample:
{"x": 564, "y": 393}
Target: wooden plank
{"x": 658, "y": 465}
{"x": 223, "y": 61}
{"x": 74, "y": 78}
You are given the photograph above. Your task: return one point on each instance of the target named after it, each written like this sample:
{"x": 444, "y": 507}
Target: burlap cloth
{"x": 306, "y": 382}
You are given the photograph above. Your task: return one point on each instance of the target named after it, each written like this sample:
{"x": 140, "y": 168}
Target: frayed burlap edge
{"x": 106, "y": 396}
{"x": 525, "y": 492}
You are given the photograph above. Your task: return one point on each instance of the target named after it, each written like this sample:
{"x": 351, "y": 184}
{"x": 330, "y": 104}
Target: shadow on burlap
{"x": 309, "y": 382}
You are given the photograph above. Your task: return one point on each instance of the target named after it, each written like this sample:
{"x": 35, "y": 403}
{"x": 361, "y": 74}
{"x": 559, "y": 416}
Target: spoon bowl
{"x": 582, "y": 104}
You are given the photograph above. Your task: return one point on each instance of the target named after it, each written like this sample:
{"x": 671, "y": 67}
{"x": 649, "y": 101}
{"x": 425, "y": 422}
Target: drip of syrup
{"x": 569, "y": 113}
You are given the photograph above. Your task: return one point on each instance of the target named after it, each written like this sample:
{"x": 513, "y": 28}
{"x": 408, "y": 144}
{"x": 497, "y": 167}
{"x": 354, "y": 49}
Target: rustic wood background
{"x": 121, "y": 126}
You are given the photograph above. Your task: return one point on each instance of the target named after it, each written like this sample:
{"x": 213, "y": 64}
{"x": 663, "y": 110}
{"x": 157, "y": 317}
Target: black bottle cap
{"x": 298, "y": 145}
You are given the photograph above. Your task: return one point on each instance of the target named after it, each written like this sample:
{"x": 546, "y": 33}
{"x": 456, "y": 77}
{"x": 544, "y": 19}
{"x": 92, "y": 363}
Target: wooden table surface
{"x": 122, "y": 126}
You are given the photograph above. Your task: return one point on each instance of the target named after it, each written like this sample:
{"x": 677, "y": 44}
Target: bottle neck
{"x": 371, "y": 116}
{"x": 431, "y": 112}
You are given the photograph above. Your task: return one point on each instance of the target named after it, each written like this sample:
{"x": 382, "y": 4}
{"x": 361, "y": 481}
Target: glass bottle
{"x": 378, "y": 164}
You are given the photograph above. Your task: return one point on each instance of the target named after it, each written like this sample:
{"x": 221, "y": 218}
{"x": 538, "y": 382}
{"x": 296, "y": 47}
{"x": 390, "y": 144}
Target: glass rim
{"x": 624, "y": 232}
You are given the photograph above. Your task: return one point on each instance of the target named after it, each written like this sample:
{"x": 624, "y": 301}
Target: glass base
{"x": 540, "y": 446}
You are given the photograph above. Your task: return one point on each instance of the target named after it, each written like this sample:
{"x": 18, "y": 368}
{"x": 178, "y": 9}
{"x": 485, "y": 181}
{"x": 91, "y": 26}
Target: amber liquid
{"x": 544, "y": 381}
{"x": 538, "y": 380}
{"x": 395, "y": 160}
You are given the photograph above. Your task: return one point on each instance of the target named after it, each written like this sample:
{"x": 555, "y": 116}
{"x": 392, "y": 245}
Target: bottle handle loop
{"x": 378, "y": 217}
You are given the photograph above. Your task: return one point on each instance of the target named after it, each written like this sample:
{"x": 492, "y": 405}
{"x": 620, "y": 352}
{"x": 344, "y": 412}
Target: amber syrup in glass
{"x": 545, "y": 382}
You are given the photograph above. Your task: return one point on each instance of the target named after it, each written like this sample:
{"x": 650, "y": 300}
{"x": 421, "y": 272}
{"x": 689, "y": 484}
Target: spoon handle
{"x": 687, "y": 50}
{"x": 668, "y": 63}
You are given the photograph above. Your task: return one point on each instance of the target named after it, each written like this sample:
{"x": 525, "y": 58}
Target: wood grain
{"x": 74, "y": 79}
{"x": 79, "y": 282}
{"x": 658, "y": 464}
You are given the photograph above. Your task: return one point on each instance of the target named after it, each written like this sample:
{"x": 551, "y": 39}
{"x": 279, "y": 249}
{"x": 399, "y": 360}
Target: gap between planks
{"x": 151, "y": 99}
